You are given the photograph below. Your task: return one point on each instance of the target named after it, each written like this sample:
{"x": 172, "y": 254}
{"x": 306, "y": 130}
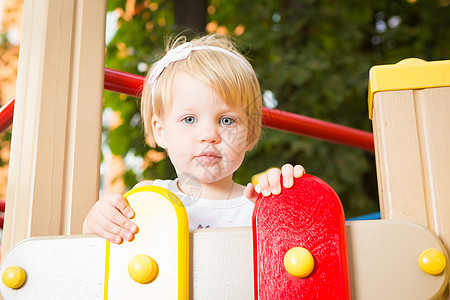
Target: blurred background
{"x": 311, "y": 57}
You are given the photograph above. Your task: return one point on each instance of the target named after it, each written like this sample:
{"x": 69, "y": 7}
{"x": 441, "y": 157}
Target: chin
{"x": 211, "y": 177}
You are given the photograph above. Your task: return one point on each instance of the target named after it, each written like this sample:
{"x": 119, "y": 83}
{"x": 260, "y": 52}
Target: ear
{"x": 159, "y": 131}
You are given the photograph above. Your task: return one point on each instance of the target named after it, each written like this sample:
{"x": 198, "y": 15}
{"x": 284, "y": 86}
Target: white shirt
{"x": 209, "y": 213}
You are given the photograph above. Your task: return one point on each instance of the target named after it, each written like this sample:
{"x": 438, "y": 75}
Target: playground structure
{"x": 54, "y": 180}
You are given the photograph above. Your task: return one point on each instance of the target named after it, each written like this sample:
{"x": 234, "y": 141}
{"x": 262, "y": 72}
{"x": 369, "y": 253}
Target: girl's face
{"x": 204, "y": 138}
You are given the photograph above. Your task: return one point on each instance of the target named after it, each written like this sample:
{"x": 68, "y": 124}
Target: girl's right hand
{"x": 110, "y": 218}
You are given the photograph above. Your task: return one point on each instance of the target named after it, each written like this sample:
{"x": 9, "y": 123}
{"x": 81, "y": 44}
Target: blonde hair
{"x": 234, "y": 82}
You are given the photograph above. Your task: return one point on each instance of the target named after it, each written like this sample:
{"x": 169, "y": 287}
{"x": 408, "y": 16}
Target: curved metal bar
{"x": 306, "y": 126}
{"x": 130, "y": 84}
{"x": 6, "y": 115}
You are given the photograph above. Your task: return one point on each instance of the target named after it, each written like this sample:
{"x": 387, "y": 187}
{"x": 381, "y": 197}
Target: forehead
{"x": 193, "y": 95}
{"x": 186, "y": 86}
{"x": 198, "y": 80}
{"x": 190, "y": 92}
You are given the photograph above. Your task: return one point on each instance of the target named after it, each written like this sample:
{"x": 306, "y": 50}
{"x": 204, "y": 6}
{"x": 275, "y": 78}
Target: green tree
{"x": 313, "y": 55}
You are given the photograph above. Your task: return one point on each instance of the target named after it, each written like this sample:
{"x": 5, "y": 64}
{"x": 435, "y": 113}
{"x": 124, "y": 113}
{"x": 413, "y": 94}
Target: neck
{"x": 218, "y": 190}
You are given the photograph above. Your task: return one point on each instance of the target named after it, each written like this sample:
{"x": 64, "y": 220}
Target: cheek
{"x": 178, "y": 143}
{"x": 176, "y": 135}
{"x": 236, "y": 157}
{"x": 237, "y": 141}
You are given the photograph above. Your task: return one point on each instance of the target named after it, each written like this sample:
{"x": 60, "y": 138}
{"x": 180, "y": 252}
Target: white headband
{"x": 182, "y": 52}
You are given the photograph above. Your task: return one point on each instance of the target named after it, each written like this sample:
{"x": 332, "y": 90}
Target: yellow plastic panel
{"x": 164, "y": 237}
{"x": 408, "y": 74}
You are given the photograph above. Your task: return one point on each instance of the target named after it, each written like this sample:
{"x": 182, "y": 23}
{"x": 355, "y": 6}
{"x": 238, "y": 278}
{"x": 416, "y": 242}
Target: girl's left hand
{"x": 270, "y": 183}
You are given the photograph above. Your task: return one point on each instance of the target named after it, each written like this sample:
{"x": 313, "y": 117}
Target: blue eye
{"x": 227, "y": 121}
{"x": 189, "y": 120}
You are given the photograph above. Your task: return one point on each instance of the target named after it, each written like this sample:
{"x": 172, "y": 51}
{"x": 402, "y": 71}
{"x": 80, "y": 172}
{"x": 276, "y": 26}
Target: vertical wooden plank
{"x": 82, "y": 163}
{"x": 399, "y": 168}
{"x": 433, "y": 108}
{"x": 54, "y": 162}
{"x": 26, "y": 141}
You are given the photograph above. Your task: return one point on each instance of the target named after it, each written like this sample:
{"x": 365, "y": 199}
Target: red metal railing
{"x": 6, "y": 115}
{"x": 122, "y": 82}
{"x": 306, "y": 126}
{"x": 2, "y": 212}
{"x": 130, "y": 84}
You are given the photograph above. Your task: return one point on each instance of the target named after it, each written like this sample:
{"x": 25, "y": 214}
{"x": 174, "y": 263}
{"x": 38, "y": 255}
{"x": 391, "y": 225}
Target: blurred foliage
{"x": 313, "y": 55}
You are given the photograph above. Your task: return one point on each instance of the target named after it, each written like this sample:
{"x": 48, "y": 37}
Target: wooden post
{"x": 55, "y": 150}
{"x": 411, "y": 124}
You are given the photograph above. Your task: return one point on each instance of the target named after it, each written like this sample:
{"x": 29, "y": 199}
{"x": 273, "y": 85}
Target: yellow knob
{"x": 299, "y": 262}
{"x": 143, "y": 269}
{"x": 432, "y": 261}
{"x": 14, "y": 277}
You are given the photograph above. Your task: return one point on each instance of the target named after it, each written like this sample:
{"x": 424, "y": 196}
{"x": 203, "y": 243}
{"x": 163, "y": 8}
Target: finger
{"x": 116, "y": 230}
{"x": 288, "y": 173}
{"x": 125, "y": 212}
{"x": 111, "y": 214}
{"x": 250, "y": 193}
{"x": 299, "y": 171}
{"x": 122, "y": 205}
{"x": 273, "y": 176}
{"x": 107, "y": 235}
{"x": 264, "y": 185}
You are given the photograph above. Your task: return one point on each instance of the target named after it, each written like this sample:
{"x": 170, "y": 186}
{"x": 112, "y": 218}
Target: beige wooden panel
{"x": 54, "y": 163}
{"x": 383, "y": 261}
{"x": 433, "y": 119}
{"x": 58, "y": 267}
{"x": 222, "y": 264}
{"x": 399, "y": 168}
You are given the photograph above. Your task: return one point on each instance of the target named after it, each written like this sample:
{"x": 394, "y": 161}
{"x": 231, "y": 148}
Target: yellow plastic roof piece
{"x": 408, "y": 74}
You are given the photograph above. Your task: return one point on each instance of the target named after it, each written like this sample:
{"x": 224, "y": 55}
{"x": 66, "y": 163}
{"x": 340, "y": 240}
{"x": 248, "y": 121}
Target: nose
{"x": 210, "y": 134}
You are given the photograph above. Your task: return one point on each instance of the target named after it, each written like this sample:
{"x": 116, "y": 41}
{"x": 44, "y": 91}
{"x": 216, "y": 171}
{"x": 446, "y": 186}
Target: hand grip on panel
{"x": 14, "y": 277}
{"x": 143, "y": 269}
{"x": 299, "y": 262}
{"x": 432, "y": 261}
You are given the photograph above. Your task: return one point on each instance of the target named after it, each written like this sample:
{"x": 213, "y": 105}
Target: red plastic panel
{"x": 308, "y": 215}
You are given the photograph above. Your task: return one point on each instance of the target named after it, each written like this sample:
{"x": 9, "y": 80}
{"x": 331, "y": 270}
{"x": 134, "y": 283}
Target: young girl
{"x": 201, "y": 103}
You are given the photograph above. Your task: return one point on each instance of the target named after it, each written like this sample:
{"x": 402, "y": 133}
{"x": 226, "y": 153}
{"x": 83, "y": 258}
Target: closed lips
{"x": 210, "y": 154}
{"x": 209, "y": 158}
